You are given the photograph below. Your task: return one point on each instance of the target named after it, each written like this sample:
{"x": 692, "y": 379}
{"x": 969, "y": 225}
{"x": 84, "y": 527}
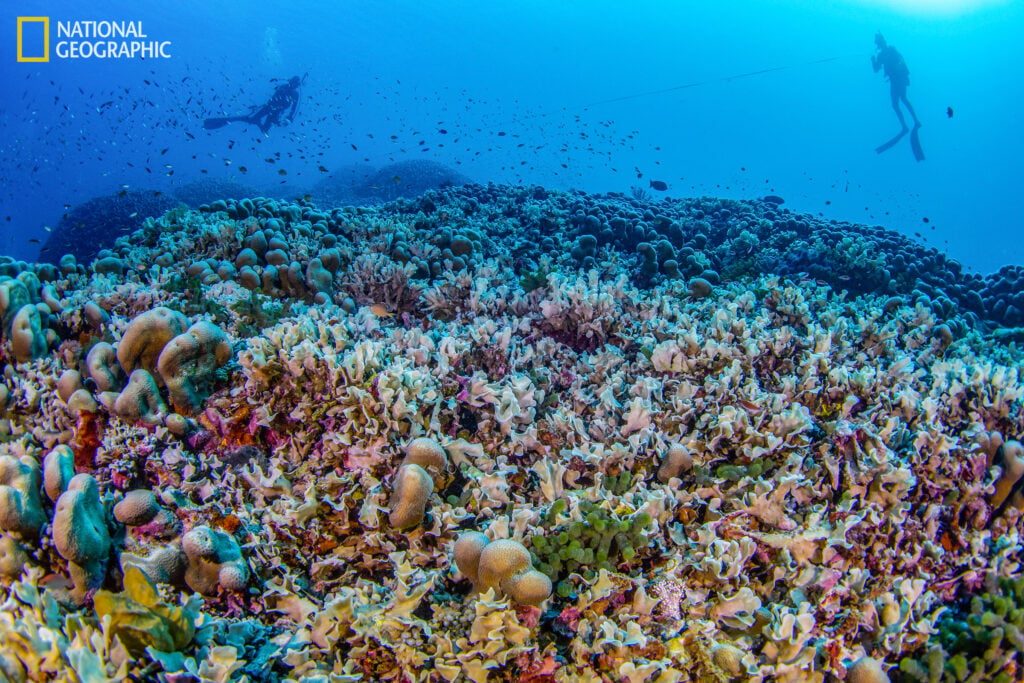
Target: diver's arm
{"x": 876, "y": 61}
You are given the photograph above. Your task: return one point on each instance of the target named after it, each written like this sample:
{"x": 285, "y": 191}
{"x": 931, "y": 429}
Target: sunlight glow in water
{"x": 934, "y": 7}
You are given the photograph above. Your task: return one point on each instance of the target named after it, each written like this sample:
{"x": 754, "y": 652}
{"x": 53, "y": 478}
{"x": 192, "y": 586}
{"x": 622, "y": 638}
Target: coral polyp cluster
{"x": 486, "y": 435}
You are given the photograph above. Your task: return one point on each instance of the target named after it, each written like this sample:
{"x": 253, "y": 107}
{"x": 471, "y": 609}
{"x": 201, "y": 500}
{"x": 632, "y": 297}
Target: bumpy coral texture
{"x": 767, "y": 478}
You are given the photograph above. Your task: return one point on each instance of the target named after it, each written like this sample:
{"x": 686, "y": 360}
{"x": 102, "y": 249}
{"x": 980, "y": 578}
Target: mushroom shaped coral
{"x": 58, "y": 471}
{"x": 428, "y": 454}
{"x": 1010, "y": 457}
{"x": 101, "y": 362}
{"x": 529, "y": 588}
{"x": 138, "y": 507}
{"x": 214, "y": 559}
{"x": 187, "y": 364}
{"x": 14, "y": 295}
{"x": 140, "y": 400}
{"x": 866, "y": 670}
{"x": 467, "y": 553}
{"x": 21, "y": 508}
{"x": 146, "y": 336}
{"x": 80, "y": 533}
{"x": 502, "y": 565}
{"x": 27, "y": 339}
{"x": 501, "y": 560}
{"x": 413, "y": 487}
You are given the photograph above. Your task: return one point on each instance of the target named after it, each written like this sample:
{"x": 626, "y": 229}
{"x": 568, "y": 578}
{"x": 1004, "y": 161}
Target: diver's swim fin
{"x": 889, "y": 144}
{"x": 915, "y": 143}
{"x": 213, "y": 124}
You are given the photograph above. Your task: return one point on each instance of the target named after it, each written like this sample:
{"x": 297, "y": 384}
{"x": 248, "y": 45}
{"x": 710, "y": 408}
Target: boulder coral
{"x": 188, "y": 362}
{"x": 80, "y": 534}
{"x": 21, "y": 510}
{"x": 502, "y": 565}
{"x": 58, "y": 471}
{"x": 214, "y": 559}
{"x": 101, "y": 364}
{"x": 146, "y": 336}
{"x": 28, "y": 341}
{"x": 140, "y": 400}
{"x": 421, "y": 471}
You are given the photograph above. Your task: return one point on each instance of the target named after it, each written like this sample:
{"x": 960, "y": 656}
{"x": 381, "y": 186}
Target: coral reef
{"x": 510, "y": 434}
{"x": 97, "y": 223}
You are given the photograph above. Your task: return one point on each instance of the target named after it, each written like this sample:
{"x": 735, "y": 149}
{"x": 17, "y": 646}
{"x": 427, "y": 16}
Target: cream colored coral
{"x": 187, "y": 363}
{"x": 501, "y": 565}
{"x": 413, "y": 487}
{"x": 140, "y": 400}
{"x": 1012, "y": 463}
{"x": 146, "y": 336}
{"x": 866, "y": 670}
{"x": 428, "y": 454}
{"x": 27, "y": 339}
{"x": 136, "y": 508}
{"x": 214, "y": 559}
{"x": 80, "y": 534}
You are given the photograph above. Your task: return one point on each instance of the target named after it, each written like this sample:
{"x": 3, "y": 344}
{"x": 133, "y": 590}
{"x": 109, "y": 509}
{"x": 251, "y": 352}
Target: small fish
{"x": 949, "y": 112}
{"x": 243, "y": 169}
{"x": 282, "y": 172}
{"x": 751, "y": 408}
{"x": 380, "y": 311}
{"x": 33, "y": 240}
{"x": 659, "y": 185}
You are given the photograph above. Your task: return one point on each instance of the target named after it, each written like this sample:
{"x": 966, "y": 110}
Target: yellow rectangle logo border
{"x": 46, "y": 39}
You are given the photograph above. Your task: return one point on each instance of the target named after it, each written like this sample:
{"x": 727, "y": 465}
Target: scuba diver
{"x": 888, "y": 59}
{"x": 284, "y": 99}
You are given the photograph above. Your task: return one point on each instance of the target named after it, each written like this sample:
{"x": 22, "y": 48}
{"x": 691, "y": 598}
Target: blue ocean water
{"x": 737, "y": 99}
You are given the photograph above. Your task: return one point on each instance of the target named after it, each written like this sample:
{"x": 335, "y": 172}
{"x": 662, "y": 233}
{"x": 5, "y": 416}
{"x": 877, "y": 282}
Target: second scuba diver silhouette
{"x": 284, "y": 99}
{"x": 889, "y": 59}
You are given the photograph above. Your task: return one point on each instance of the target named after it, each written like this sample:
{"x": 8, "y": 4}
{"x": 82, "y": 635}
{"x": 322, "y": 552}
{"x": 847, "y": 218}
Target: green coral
{"x": 620, "y": 483}
{"x": 979, "y": 640}
{"x": 530, "y": 280}
{"x": 601, "y": 540}
{"x": 259, "y": 312}
{"x": 193, "y": 301}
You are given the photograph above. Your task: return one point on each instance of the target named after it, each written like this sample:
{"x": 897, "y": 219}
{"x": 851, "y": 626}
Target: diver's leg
{"x": 896, "y": 95}
{"x": 910, "y": 108}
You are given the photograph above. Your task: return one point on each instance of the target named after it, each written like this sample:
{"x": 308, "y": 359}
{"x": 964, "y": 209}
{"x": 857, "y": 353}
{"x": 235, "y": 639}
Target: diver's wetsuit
{"x": 285, "y": 97}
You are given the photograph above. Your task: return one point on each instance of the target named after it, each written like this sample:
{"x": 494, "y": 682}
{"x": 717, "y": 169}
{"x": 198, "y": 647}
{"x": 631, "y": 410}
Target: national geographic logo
{"x": 38, "y": 46}
{"x": 87, "y": 40}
